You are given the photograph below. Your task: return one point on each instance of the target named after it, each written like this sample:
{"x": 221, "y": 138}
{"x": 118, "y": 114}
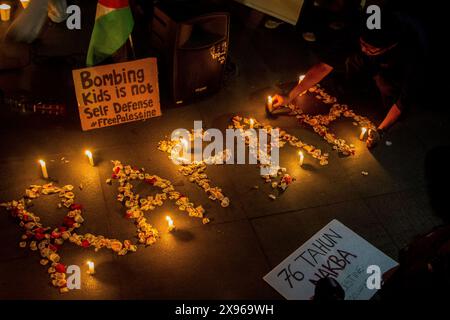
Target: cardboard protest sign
{"x": 335, "y": 251}
{"x": 118, "y": 93}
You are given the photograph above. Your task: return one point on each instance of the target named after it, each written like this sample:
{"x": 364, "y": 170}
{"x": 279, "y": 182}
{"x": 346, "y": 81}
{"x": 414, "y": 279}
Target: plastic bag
{"x": 28, "y": 25}
{"x": 57, "y": 10}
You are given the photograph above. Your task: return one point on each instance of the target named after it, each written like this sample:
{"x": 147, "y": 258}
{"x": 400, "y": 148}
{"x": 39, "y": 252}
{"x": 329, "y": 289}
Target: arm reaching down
{"x": 314, "y": 75}
{"x": 391, "y": 117}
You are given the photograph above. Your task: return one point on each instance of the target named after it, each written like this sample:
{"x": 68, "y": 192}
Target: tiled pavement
{"x": 228, "y": 257}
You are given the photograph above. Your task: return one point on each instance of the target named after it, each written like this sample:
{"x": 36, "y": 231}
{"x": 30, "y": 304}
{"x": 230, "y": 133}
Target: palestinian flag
{"x": 113, "y": 25}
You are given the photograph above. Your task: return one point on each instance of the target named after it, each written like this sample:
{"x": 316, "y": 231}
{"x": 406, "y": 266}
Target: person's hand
{"x": 374, "y": 138}
{"x": 278, "y": 101}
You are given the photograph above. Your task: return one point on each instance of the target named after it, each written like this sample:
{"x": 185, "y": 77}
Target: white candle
{"x": 5, "y": 12}
{"x": 252, "y": 122}
{"x": 170, "y": 223}
{"x": 186, "y": 153}
{"x": 89, "y": 155}
{"x": 44, "y": 169}
{"x": 300, "y": 78}
{"x": 301, "y": 157}
{"x": 25, "y": 3}
{"x": 91, "y": 267}
{"x": 363, "y": 133}
{"x": 269, "y": 101}
{"x": 184, "y": 143}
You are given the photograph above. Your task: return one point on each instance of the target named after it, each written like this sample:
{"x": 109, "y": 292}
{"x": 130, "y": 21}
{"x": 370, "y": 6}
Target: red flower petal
{"x": 15, "y": 212}
{"x": 69, "y": 222}
{"x": 128, "y": 215}
{"x": 60, "y": 268}
{"x": 39, "y": 230}
{"x": 76, "y": 206}
{"x": 85, "y": 243}
{"x": 150, "y": 181}
{"x": 39, "y": 236}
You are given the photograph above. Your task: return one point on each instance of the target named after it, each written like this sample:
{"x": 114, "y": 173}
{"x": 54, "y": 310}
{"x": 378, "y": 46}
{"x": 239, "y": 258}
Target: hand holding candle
{"x": 170, "y": 223}
{"x": 91, "y": 267}
{"x": 43, "y": 169}
{"x": 89, "y": 155}
{"x": 5, "y": 12}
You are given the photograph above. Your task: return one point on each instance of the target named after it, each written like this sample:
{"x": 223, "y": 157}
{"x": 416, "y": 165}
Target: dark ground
{"x": 227, "y": 258}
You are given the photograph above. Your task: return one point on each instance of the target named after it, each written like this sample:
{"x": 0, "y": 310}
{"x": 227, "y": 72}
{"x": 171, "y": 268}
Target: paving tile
{"x": 25, "y": 278}
{"x": 315, "y": 185}
{"x": 404, "y": 214}
{"x": 282, "y": 234}
{"x": 214, "y": 256}
{"x": 391, "y": 169}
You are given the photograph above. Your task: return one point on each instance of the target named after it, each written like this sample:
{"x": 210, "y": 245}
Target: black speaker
{"x": 192, "y": 45}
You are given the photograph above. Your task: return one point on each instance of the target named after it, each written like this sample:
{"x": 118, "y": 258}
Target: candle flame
{"x": 269, "y": 99}
{"x": 25, "y": 3}
{"x": 42, "y": 162}
{"x": 363, "y": 133}
{"x": 88, "y": 153}
{"x": 170, "y": 222}
{"x": 184, "y": 142}
{"x": 301, "y": 157}
{"x": 252, "y": 122}
{"x": 91, "y": 267}
{"x": 301, "y": 78}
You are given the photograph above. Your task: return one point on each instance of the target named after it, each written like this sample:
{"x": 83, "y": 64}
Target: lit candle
{"x": 5, "y": 12}
{"x": 269, "y": 101}
{"x": 252, "y": 122}
{"x": 44, "y": 169}
{"x": 363, "y": 133}
{"x": 300, "y": 78}
{"x": 301, "y": 157}
{"x": 184, "y": 143}
{"x": 91, "y": 267}
{"x": 25, "y": 3}
{"x": 184, "y": 150}
{"x": 170, "y": 223}
{"x": 89, "y": 155}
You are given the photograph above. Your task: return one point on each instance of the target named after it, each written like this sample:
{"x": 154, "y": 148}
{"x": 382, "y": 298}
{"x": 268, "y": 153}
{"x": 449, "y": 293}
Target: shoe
{"x": 272, "y": 24}
{"x": 336, "y": 25}
{"x": 309, "y": 36}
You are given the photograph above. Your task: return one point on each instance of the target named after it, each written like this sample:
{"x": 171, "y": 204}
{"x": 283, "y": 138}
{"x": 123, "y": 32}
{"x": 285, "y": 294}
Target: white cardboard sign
{"x": 335, "y": 251}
